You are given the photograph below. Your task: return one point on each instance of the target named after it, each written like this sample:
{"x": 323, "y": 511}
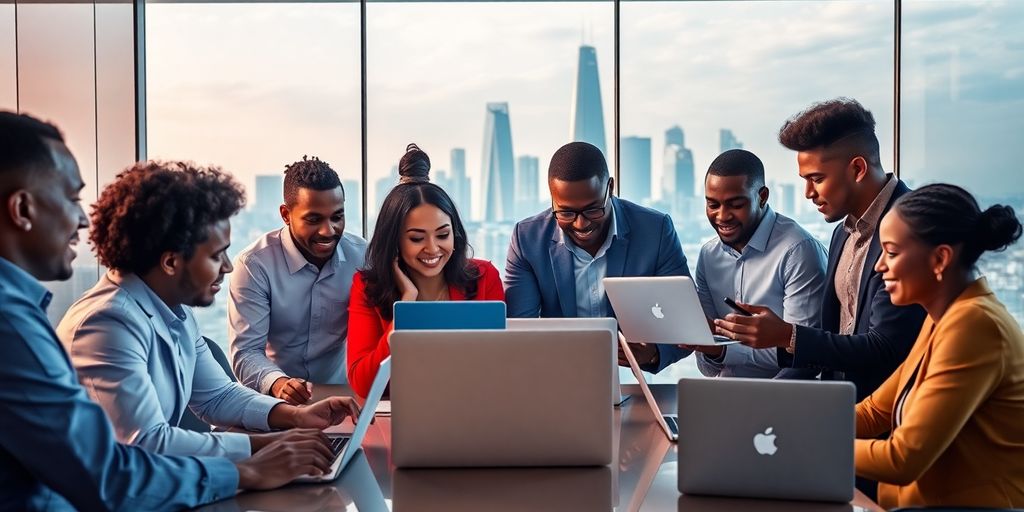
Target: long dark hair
{"x": 947, "y": 214}
{"x": 414, "y": 189}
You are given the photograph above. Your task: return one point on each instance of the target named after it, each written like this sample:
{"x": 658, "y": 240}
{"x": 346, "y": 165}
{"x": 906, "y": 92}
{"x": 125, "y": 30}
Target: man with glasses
{"x": 558, "y": 257}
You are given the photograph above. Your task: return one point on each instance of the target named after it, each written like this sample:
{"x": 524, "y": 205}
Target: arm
{"x": 966, "y": 365}
{"x": 671, "y": 262}
{"x": 367, "y": 341}
{"x": 522, "y": 293}
{"x": 708, "y": 366}
{"x": 249, "y": 327}
{"x": 804, "y": 272}
{"x": 219, "y": 401}
{"x": 874, "y": 413}
{"x": 65, "y": 441}
{"x": 109, "y": 350}
{"x": 490, "y": 283}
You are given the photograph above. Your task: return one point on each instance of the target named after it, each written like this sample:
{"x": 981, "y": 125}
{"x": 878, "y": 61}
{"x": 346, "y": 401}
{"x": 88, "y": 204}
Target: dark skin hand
{"x": 292, "y": 390}
{"x": 764, "y": 329}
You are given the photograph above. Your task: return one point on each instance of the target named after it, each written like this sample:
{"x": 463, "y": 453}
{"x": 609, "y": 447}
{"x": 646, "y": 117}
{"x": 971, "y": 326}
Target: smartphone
{"x": 736, "y": 307}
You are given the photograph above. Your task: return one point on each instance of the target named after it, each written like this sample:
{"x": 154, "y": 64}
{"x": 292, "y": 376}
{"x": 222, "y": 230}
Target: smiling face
{"x": 316, "y": 222}
{"x": 58, "y": 216}
{"x": 907, "y": 264}
{"x": 579, "y": 196}
{"x": 203, "y": 274}
{"x": 426, "y": 242}
{"x": 734, "y": 209}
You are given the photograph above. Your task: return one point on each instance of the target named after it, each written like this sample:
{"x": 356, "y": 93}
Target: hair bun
{"x": 998, "y": 227}
{"x": 414, "y": 167}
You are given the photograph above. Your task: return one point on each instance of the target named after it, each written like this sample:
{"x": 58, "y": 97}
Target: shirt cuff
{"x": 257, "y": 412}
{"x": 269, "y": 379}
{"x": 236, "y": 445}
{"x": 220, "y": 480}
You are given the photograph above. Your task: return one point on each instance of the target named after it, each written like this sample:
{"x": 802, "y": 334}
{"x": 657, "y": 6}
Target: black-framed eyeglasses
{"x": 597, "y": 213}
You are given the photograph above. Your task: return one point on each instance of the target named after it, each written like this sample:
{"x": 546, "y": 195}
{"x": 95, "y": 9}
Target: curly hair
{"x": 311, "y": 173}
{"x": 825, "y": 123}
{"x": 156, "y": 207}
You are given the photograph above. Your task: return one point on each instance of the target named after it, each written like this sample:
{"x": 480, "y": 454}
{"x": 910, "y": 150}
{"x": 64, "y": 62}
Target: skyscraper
{"x": 677, "y": 178}
{"x": 460, "y": 188}
{"x": 674, "y": 135}
{"x": 587, "y": 113}
{"x": 269, "y": 192}
{"x": 498, "y": 169}
{"x": 635, "y": 174}
{"x": 527, "y": 183}
{"x": 727, "y": 140}
{"x": 787, "y": 203}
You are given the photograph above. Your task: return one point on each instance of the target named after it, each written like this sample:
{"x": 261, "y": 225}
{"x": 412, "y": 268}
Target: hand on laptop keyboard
{"x": 296, "y": 453}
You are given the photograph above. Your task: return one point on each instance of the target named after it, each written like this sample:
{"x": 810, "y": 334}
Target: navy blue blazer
{"x": 883, "y": 333}
{"x": 539, "y": 272}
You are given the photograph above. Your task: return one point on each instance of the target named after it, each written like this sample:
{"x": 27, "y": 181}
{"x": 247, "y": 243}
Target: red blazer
{"x": 368, "y": 331}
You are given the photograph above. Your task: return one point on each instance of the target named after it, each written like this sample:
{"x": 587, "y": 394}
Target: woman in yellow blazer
{"x": 956, "y": 406}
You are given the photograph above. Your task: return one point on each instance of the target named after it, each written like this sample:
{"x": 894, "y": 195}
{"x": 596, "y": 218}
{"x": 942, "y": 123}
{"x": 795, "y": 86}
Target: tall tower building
{"x": 498, "y": 170}
{"x": 527, "y": 183}
{"x": 674, "y": 135}
{"x": 587, "y": 113}
{"x": 677, "y": 178}
{"x": 460, "y": 191}
{"x": 727, "y": 140}
{"x": 635, "y": 174}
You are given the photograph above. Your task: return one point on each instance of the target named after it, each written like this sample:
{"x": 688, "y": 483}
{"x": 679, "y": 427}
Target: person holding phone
{"x": 759, "y": 257}
{"x": 418, "y": 251}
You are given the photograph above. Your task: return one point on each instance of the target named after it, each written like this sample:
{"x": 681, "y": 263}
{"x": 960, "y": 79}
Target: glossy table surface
{"x": 642, "y": 478}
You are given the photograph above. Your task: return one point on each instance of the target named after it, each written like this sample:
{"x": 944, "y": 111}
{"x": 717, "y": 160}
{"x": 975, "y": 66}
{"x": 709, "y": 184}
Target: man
{"x": 558, "y": 257}
{"x": 862, "y": 337}
{"x": 288, "y": 313}
{"x": 759, "y": 257}
{"x": 57, "y": 450}
{"x": 163, "y": 231}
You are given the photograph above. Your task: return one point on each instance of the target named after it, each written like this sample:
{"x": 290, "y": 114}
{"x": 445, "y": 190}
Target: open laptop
{"x": 454, "y": 314}
{"x": 501, "y": 398}
{"x": 561, "y": 324}
{"x": 669, "y": 423}
{"x": 345, "y": 446}
{"x": 761, "y": 438}
{"x": 663, "y": 309}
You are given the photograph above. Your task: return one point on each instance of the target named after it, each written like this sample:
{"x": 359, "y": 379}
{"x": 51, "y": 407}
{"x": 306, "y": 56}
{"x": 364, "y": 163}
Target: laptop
{"x": 561, "y": 324}
{"x": 669, "y": 423}
{"x": 501, "y": 398}
{"x": 771, "y": 439}
{"x": 663, "y": 309}
{"x": 345, "y": 446}
{"x": 456, "y": 314}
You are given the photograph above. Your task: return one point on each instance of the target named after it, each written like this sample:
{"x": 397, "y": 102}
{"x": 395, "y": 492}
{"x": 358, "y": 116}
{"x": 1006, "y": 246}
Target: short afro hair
{"x": 156, "y": 207}
{"x": 311, "y": 173}
{"x": 825, "y": 123}
{"x": 577, "y": 161}
{"x": 739, "y": 162}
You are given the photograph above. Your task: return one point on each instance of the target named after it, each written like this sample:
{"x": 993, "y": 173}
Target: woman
{"x": 955, "y": 407}
{"x": 418, "y": 252}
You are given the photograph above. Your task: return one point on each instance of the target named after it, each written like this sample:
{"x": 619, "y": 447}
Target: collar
{"x": 296, "y": 261}
{"x": 869, "y": 221}
{"x": 759, "y": 240}
{"x": 147, "y": 299}
{"x": 25, "y": 284}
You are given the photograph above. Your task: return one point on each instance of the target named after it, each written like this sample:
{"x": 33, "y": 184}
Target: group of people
{"x": 92, "y": 410}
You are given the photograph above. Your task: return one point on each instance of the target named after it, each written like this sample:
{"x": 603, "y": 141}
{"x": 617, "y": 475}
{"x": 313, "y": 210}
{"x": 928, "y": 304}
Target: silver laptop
{"x": 345, "y": 446}
{"x": 563, "y": 324}
{"x": 760, "y": 438}
{"x": 662, "y": 309}
{"x": 501, "y": 398}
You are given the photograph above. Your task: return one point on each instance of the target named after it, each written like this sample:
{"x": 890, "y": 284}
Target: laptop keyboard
{"x": 338, "y": 444}
{"x": 673, "y": 424}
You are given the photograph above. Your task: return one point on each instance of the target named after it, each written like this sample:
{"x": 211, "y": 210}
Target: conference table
{"x": 641, "y": 478}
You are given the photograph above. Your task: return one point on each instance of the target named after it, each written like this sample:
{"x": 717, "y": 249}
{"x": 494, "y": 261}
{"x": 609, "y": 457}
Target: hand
{"x": 645, "y": 354}
{"x": 293, "y": 391}
{"x": 762, "y": 330}
{"x": 305, "y": 452}
{"x": 406, "y": 288}
{"x": 327, "y": 412}
{"x": 262, "y": 440}
{"x": 713, "y": 351}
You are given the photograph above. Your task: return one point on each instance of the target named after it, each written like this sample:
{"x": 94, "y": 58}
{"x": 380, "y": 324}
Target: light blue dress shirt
{"x": 782, "y": 267}
{"x": 145, "y": 362}
{"x": 589, "y": 272}
{"x": 57, "y": 451}
{"x": 286, "y": 318}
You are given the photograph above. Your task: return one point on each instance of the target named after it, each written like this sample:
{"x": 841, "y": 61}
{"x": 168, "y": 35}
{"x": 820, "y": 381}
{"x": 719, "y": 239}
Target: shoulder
{"x": 976, "y": 322}
{"x": 352, "y": 241}
{"x": 263, "y": 247}
{"x": 485, "y": 268}
{"x": 641, "y": 213}
{"x": 790, "y": 235}
{"x": 107, "y": 308}
{"x": 540, "y": 222}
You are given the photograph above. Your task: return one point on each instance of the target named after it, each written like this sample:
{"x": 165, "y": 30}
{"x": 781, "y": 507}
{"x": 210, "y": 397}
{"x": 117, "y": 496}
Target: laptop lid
{"x": 501, "y": 398}
{"x": 662, "y": 309}
{"x": 456, "y": 314}
{"x": 772, "y": 438}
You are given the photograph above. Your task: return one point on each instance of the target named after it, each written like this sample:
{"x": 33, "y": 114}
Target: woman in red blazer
{"x": 418, "y": 252}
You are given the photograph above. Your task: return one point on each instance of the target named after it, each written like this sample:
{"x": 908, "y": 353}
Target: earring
{"x": 938, "y": 276}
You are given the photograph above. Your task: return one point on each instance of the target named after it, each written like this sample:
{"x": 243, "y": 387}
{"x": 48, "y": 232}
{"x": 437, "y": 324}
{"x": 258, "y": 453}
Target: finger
{"x": 731, "y": 328}
{"x": 741, "y": 319}
{"x": 316, "y": 448}
{"x": 309, "y": 388}
{"x": 353, "y": 408}
{"x": 298, "y": 389}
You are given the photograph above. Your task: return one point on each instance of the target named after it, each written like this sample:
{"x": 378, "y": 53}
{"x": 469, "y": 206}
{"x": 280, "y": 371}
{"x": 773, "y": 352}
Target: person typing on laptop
{"x": 418, "y": 251}
{"x": 759, "y": 257}
{"x": 557, "y": 258}
{"x": 163, "y": 230}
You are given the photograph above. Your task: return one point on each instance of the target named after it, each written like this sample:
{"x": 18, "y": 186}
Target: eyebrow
{"x": 418, "y": 230}
{"x": 726, "y": 200}
{"x": 592, "y": 204}
{"x": 222, "y": 249}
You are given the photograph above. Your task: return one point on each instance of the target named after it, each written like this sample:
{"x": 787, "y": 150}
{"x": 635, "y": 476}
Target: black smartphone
{"x": 736, "y": 307}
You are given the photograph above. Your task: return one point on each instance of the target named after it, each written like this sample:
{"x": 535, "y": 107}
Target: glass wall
{"x": 8, "y": 59}
{"x": 963, "y": 113}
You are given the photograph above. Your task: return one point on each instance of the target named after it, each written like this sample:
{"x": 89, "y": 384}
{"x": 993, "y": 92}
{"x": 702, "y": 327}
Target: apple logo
{"x": 656, "y": 311}
{"x": 765, "y": 443}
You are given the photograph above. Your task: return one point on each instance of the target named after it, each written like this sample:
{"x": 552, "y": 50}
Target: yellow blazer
{"x": 961, "y": 441}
